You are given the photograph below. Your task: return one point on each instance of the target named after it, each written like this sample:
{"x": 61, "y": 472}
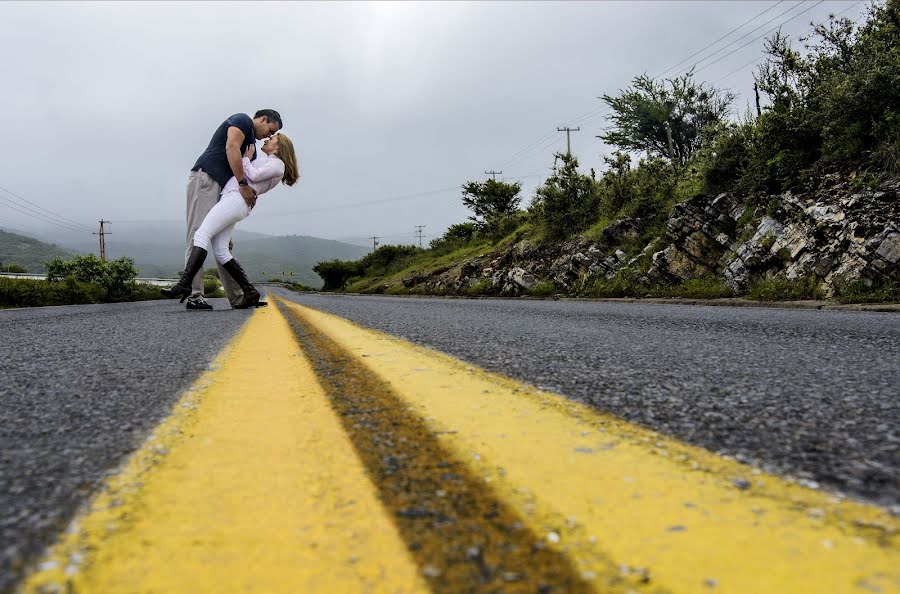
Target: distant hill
{"x": 158, "y": 250}
{"x": 29, "y": 252}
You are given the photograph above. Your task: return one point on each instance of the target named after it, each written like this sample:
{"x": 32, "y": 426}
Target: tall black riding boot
{"x": 251, "y": 295}
{"x": 183, "y": 287}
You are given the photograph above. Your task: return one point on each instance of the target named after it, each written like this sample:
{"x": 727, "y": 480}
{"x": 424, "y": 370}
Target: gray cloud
{"x": 109, "y": 104}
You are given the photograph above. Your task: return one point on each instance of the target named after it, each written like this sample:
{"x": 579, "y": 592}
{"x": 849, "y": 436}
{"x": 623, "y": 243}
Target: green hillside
{"x": 158, "y": 251}
{"x": 29, "y": 253}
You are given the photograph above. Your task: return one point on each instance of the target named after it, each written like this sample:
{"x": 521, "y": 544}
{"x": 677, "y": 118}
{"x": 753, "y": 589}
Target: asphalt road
{"x": 80, "y": 387}
{"x": 814, "y": 395}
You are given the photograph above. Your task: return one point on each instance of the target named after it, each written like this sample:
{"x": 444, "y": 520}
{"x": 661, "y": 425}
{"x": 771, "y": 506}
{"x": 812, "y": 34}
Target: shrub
{"x": 212, "y": 287}
{"x": 545, "y": 289}
{"x": 454, "y": 238}
{"x": 336, "y": 274}
{"x": 724, "y": 161}
{"x": 15, "y": 292}
{"x": 493, "y": 203}
{"x": 115, "y": 277}
{"x": 780, "y": 288}
{"x": 386, "y": 259}
{"x": 13, "y": 268}
{"x": 567, "y": 202}
{"x": 877, "y": 292}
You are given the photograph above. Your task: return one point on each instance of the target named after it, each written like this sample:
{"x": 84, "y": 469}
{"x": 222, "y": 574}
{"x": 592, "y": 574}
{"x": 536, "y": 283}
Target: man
{"x": 221, "y": 160}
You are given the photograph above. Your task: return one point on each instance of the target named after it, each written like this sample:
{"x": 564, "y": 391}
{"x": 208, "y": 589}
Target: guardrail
{"x": 159, "y": 282}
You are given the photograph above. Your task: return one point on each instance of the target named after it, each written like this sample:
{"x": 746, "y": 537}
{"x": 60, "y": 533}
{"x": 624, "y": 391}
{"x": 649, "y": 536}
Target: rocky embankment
{"x": 832, "y": 232}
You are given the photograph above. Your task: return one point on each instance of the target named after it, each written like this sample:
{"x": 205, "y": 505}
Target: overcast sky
{"x": 109, "y": 104}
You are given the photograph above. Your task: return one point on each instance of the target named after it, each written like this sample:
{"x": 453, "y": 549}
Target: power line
{"x": 41, "y": 218}
{"x": 380, "y": 201}
{"x": 542, "y": 143}
{"x": 760, "y": 37}
{"x": 758, "y": 58}
{"x": 718, "y": 40}
{"x": 751, "y": 32}
{"x": 49, "y": 213}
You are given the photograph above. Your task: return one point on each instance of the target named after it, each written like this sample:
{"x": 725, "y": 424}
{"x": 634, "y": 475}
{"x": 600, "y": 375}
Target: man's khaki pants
{"x": 202, "y": 195}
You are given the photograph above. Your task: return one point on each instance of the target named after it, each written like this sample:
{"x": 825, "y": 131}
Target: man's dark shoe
{"x": 198, "y": 302}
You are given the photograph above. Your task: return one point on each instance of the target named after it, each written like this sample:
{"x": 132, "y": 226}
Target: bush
{"x": 15, "y": 268}
{"x": 454, "y": 238}
{"x": 568, "y": 202}
{"x": 493, "y": 204}
{"x": 211, "y": 286}
{"x": 859, "y": 292}
{"x": 783, "y": 289}
{"x": 386, "y": 259}
{"x": 115, "y": 277}
{"x": 336, "y": 274}
{"x": 17, "y": 292}
{"x": 545, "y": 289}
{"x": 724, "y": 161}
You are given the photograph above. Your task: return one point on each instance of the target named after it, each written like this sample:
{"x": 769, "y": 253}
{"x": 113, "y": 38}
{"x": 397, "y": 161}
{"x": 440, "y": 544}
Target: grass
{"x": 417, "y": 265}
{"x": 545, "y": 289}
{"x": 858, "y": 292}
{"x": 624, "y": 285}
{"x": 784, "y": 289}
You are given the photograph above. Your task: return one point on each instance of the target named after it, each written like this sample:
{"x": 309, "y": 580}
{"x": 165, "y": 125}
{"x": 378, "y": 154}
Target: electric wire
{"x": 758, "y": 59}
{"x": 49, "y": 213}
{"x": 667, "y": 70}
{"x": 758, "y": 38}
{"x": 43, "y": 218}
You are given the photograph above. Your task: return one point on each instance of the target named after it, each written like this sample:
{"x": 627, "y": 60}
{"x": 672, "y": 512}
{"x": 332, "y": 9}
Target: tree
{"x": 837, "y": 103}
{"x": 336, "y": 273}
{"x": 13, "y": 268}
{"x": 641, "y": 112}
{"x": 492, "y": 202}
{"x": 568, "y": 201}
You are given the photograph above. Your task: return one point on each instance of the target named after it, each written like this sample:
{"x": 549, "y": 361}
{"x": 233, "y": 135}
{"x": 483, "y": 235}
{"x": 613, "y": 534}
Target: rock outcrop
{"x": 832, "y": 232}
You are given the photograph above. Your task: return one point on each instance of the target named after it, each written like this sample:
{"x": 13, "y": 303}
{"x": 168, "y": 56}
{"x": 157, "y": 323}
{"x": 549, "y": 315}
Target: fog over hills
{"x": 158, "y": 250}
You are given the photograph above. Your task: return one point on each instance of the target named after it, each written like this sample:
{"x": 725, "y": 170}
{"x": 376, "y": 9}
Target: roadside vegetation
{"x": 79, "y": 280}
{"x": 832, "y": 104}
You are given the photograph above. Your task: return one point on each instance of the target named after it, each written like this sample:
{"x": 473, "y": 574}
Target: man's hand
{"x": 249, "y": 195}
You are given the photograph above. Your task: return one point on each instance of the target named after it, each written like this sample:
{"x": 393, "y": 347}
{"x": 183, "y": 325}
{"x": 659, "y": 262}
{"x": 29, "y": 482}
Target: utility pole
{"x": 493, "y": 174}
{"x": 103, "y": 233}
{"x": 375, "y": 243}
{"x": 419, "y": 233}
{"x": 669, "y": 141}
{"x": 756, "y": 92}
{"x": 568, "y": 130}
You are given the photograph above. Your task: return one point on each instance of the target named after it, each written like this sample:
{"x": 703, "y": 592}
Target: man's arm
{"x": 233, "y": 142}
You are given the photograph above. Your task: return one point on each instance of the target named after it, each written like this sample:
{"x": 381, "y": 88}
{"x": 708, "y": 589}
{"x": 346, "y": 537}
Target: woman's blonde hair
{"x": 285, "y": 152}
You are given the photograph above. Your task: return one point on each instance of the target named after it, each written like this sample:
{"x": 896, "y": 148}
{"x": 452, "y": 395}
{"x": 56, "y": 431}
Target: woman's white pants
{"x": 217, "y": 227}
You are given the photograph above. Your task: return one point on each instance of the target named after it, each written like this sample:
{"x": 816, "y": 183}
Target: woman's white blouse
{"x": 264, "y": 174}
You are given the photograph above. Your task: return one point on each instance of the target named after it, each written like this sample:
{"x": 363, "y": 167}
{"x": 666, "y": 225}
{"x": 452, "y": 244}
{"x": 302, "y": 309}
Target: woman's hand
{"x": 250, "y": 150}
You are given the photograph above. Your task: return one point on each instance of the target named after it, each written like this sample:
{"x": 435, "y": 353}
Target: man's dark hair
{"x": 271, "y": 115}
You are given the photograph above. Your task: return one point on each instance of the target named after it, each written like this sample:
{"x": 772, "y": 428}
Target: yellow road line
{"x": 597, "y": 489}
{"x": 250, "y": 486}
{"x": 461, "y": 534}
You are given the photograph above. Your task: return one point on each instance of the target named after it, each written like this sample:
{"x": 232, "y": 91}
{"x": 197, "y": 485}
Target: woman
{"x": 278, "y": 163}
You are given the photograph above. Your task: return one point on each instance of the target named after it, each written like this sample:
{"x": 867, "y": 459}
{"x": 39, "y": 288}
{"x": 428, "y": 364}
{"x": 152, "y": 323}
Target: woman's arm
{"x": 271, "y": 167}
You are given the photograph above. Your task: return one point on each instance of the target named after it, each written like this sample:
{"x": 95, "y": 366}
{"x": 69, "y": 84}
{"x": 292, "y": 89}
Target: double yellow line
{"x": 318, "y": 456}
